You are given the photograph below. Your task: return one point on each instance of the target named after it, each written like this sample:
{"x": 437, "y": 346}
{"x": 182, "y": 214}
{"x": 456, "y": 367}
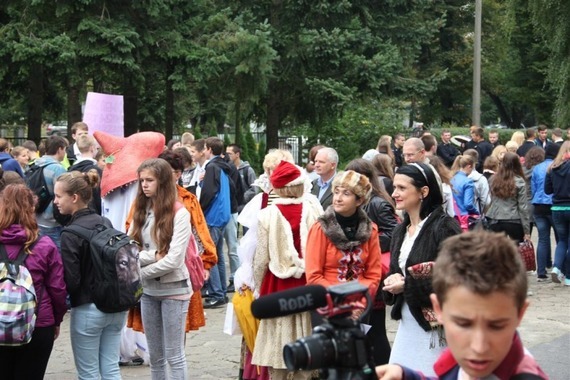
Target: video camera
{"x": 338, "y": 347}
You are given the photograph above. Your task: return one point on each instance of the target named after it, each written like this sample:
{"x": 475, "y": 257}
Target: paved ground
{"x": 213, "y": 355}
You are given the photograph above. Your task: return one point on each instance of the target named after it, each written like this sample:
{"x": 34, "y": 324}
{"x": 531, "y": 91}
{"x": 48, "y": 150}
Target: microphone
{"x": 287, "y": 302}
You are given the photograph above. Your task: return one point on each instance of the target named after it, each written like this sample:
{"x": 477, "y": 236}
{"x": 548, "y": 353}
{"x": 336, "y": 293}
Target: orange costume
{"x": 195, "y": 318}
{"x": 333, "y": 259}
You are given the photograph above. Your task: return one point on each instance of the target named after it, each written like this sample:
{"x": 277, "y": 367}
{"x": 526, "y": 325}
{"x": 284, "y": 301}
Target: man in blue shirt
{"x": 326, "y": 162}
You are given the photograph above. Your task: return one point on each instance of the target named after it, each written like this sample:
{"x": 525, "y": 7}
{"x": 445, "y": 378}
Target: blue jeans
{"x": 561, "y": 221}
{"x": 95, "y": 341}
{"x": 164, "y": 322}
{"x": 230, "y": 235}
{"x": 543, "y": 249}
{"x": 217, "y": 286}
{"x": 54, "y": 234}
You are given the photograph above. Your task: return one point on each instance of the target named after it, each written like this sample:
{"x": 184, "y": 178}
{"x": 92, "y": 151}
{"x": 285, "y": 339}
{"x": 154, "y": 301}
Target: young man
{"x": 446, "y": 150}
{"x": 73, "y": 153}
{"x": 399, "y": 140}
{"x": 542, "y": 139}
{"x": 480, "y": 289}
{"x": 529, "y": 143}
{"x": 88, "y": 148}
{"x": 218, "y": 199}
{"x": 246, "y": 172}
{"x": 494, "y": 138}
{"x": 484, "y": 148}
{"x": 51, "y": 162}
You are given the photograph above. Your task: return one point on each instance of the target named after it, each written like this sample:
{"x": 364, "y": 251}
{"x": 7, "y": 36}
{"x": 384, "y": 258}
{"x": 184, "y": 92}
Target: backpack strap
{"x": 526, "y": 376}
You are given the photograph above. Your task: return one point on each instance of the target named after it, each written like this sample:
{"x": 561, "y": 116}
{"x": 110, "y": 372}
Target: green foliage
{"x": 227, "y": 140}
{"x": 213, "y": 132}
{"x": 261, "y": 152}
{"x": 358, "y": 129}
{"x": 253, "y": 156}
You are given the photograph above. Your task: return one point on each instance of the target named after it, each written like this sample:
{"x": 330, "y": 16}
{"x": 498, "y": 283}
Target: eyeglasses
{"x": 411, "y": 154}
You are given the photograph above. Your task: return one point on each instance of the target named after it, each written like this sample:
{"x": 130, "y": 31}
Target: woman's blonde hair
{"x": 512, "y": 146}
{"x": 499, "y": 152}
{"x": 274, "y": 157}
{"x": 518, "y": 137}
{"x": 295, "y": 191}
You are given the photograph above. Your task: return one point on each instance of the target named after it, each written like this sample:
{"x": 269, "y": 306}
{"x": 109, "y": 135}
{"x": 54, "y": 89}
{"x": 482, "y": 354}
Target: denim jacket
{"x": 539, "y": 197}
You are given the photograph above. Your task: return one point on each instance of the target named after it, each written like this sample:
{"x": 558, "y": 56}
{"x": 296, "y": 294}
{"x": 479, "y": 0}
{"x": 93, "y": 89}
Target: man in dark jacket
{"x": 530, "y": 142}
{"x": 219, "y": 199}
{"x": 88, "y": 148}
{"x": 446, "y": 150}
{"x": 484, "y": 148}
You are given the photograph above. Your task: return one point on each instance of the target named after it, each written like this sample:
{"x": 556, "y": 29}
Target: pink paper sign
{"x": 104, "y": 112}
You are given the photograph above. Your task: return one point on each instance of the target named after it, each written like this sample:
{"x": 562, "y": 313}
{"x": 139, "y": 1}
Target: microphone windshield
{"x": 291, "y": 301}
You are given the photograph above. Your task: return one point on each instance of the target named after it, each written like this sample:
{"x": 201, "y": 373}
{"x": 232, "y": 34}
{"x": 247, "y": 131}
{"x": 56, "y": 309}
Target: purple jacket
{"x": 46, "y": 268}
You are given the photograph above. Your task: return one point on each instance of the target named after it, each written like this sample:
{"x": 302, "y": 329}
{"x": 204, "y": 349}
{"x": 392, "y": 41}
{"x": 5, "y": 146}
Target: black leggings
{"x": 29, "y": 361}
{"x": 377, "y": 336}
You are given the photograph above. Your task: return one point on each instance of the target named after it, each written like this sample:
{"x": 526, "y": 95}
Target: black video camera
{"x": 338, "y": 347}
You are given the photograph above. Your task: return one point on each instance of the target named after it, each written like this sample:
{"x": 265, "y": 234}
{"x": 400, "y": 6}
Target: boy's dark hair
{"x": 174, "y": 159}
{"x": 30, "y": 145}
{"x": 199, "y": 144}
{"x": 479, "y": 132}
{"x": 53, "y": 143}
{"x": 483, "y": 262}
{"x": 184, "y": 155}
{"x": 429, "y": 142}
{"x": 235, "y": 148}
{"x": 79, "y": 125}
{"x": 216, "y": 144}
{"x": 541, "y": 127}
{"x": 529, "y": 133}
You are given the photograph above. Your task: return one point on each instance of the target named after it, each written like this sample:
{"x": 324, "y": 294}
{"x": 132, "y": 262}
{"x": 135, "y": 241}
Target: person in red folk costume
{"x": 279, "y": 264}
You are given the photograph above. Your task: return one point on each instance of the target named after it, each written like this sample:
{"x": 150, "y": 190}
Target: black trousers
{"x": 29, "y": 361}
{"x": 377, "y": 336}
{"x": 513, "y": 230}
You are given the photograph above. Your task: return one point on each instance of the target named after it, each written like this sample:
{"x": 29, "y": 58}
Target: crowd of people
{"x": 382, "y": 221}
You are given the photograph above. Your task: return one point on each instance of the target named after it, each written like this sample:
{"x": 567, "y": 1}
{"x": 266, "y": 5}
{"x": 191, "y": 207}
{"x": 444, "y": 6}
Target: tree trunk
{"x": 130, "y": 107}
{"x": 273, "y": 117}
{"x": 169, "y": 106}
{"x": 503, "y": 114}
{"x": 73, "y": 104}
{"x": 35, "y": 102}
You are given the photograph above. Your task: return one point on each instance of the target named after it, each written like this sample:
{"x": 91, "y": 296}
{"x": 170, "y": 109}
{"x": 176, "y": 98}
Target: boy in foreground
{"x": 480, "y": 289}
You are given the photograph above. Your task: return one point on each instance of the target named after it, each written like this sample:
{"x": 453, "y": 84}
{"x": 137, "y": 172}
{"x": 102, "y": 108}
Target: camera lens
{"x": 313, "y": 352}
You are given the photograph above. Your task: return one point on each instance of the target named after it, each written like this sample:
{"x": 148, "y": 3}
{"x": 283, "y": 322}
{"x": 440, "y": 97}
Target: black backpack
{"x": 36, "y": 181}
{"x": 115, "y": 256}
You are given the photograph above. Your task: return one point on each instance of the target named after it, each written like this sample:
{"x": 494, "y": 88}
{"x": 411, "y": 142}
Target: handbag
{"x": 194, "y": 265}
{"x": 193, "y": 260}
{"x": 526, "y": 250}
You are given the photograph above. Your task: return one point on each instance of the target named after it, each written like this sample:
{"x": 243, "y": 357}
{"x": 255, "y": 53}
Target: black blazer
{"x": 327, "y": 198}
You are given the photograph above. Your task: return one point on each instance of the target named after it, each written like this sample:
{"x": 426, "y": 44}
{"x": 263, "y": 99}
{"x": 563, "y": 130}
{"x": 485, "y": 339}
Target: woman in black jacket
{"x": 380, "y": 209}
{"x": 414, "y": 248}
{"x": 95, "y": 335}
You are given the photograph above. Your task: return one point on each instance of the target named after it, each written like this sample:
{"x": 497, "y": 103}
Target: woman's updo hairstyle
{"x": 80, "y": 183}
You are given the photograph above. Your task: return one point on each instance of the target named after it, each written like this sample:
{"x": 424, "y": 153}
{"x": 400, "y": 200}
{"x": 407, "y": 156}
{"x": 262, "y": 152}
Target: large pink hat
{"x": 125, "y": 154}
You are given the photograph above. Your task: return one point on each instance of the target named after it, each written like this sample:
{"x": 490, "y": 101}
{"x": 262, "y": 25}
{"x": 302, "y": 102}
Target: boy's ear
{"x": 436, "y": 307}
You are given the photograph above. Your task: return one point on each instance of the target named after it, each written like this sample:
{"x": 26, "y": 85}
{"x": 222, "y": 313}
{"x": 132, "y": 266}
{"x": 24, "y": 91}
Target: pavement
{"x": 211, "y": 354}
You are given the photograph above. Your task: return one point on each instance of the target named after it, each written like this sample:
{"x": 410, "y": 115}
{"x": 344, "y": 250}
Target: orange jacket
{"x": 323, "y": 260}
